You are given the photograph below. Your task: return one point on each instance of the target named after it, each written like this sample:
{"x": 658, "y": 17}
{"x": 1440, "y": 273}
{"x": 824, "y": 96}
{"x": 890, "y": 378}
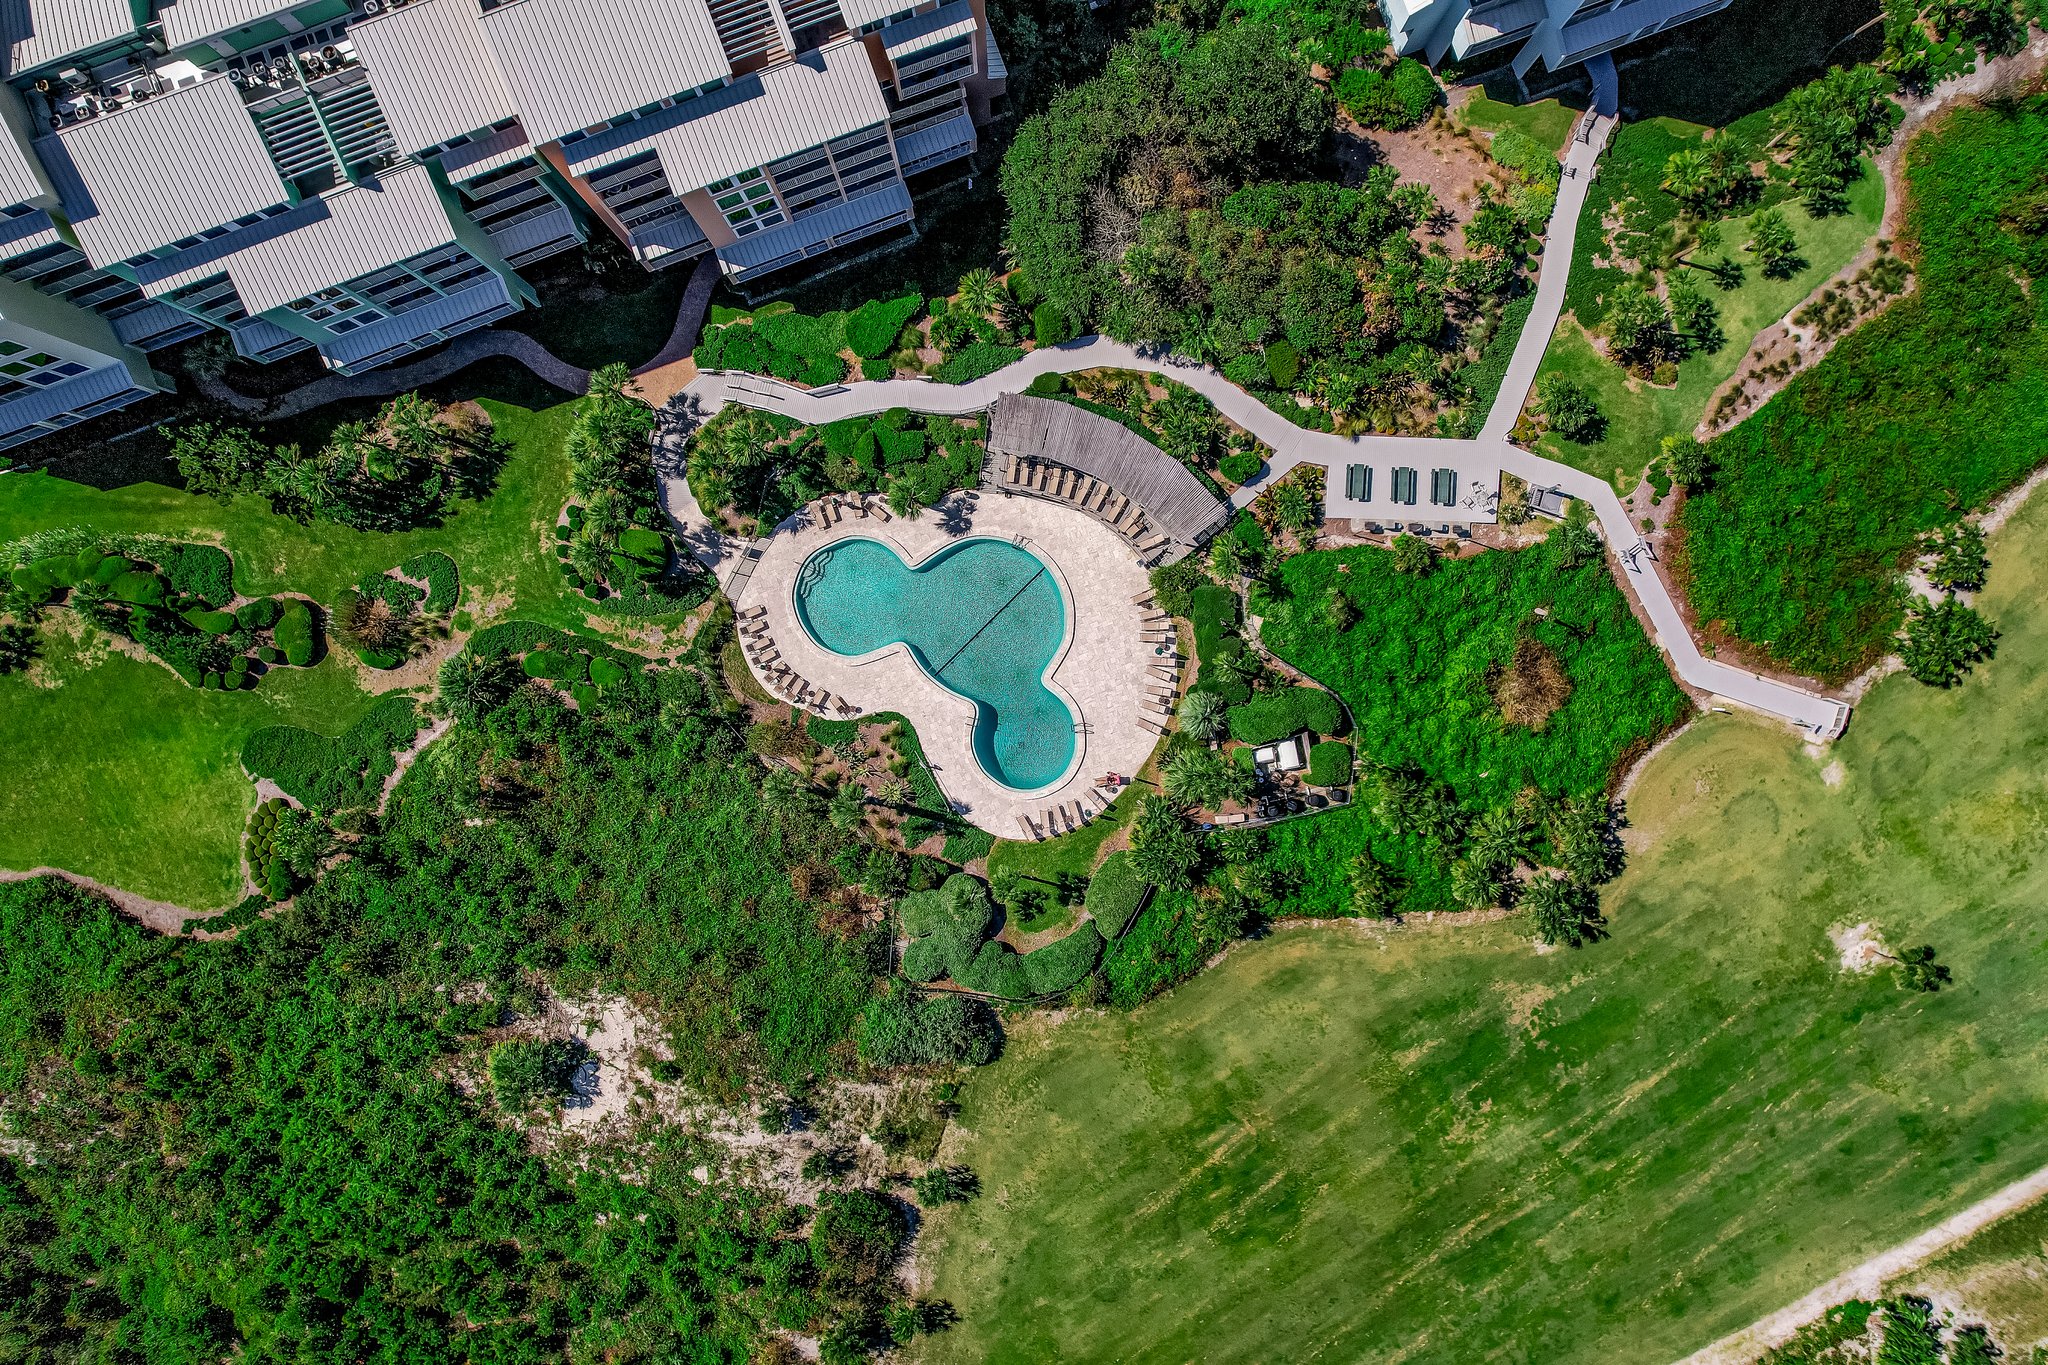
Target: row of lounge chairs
{"x": 1058, "y": 482}
{"x": 759, "y": 643}
{"x": 835, "y": 508}
{"x": 1066, "y": 817}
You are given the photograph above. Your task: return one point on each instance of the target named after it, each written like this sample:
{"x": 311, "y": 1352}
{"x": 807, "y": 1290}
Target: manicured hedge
{"x": 1051, "y": 326}
{"x": 201, "y": 571}
{"x": 557, "y": 666}
{"x": 1114, "y": 894}
{"x": 382, "y": 660}
{"x": 212, "y": 622}
{"x": 257, "y": 614}
{"x": 872, "y": 328}
{"x": 443, "y": 580}
{"x": 605, "y": 673}
{"x": 138, "y": 587}
{"x": 295, "y": 632}
{"x": 331, "y": 773}
{"x": 1240, "y": 466}
{"x": 1284, "y": 711}
{"x": 949, "y": 928}
{"x": 976, "y": 362}
{"x": 1329, "y": 764}
{"x": 523, "y": 637}
{"x": 1061, "y": 966}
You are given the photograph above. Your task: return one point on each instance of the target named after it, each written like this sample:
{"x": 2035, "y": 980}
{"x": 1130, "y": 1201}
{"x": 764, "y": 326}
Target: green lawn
{"x": 1070, "y": 854}
{"x": 1639, "y": 415}
{"x": 1549, "y": 122}
{"x": 1438, "y": 1144}
{"x": 123, "y": 773}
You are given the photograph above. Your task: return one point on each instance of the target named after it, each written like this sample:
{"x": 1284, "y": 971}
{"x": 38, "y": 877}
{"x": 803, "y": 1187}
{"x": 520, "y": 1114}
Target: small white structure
{"x": 1286, "y": 756}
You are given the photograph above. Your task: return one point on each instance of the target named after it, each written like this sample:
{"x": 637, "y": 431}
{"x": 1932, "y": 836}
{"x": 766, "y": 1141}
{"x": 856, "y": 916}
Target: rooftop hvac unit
{"x": 330, "y": 53}
{"x": 373, "y": 6}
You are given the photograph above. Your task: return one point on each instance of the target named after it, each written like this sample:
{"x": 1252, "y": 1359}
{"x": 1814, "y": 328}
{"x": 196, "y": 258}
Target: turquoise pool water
{"x": 983, "y": 619}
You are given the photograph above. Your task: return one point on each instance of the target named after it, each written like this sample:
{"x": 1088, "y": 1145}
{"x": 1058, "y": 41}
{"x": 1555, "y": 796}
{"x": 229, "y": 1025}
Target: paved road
{"x": 1817, "y": 717}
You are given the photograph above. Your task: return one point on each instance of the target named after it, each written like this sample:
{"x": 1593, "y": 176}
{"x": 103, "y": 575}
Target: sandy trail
{"x": 1868, "y": 1280}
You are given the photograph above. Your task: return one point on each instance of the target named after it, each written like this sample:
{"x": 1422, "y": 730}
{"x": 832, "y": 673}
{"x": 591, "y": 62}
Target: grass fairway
{"x": 1437, "y": 1144}
{"x": 1640, "y": 415}
{"x": 121, "y": 772}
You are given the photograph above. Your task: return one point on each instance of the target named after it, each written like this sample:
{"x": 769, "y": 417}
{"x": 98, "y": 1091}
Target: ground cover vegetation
{"x": 1928, "y": 41}
{"x": 387, "y": 616}
{"x": 1694, "y": 239}
{"x": 1492, "y": 699}
{"x": 401, "y": 469}
{"x": 757, "y": 467}
{"x": 626, "y": 845}
{"x": 1809, "y": 508}
{"x": 1164, "y": 201}
{"x": 120, "y": 771}
{"x": 1441, "y": 1097}
{"x": 173, "y": 601}
{"x": 610, "y": 541}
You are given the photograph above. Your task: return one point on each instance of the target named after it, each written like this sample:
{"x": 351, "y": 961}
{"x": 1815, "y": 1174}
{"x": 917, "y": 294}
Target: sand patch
{"x": 1859, "y": 946}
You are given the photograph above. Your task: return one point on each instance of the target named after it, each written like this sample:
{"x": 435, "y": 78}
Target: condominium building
{"x": 366, "y": 178}
{"x": 1561, "y": 33}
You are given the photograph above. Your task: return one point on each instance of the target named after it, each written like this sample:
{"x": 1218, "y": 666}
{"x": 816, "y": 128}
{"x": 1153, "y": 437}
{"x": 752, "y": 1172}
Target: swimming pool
{"x": 983, "y": 619}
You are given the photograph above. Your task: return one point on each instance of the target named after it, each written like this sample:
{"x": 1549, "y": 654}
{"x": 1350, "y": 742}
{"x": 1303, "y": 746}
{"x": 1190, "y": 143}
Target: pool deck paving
{"x": 1102, "y": 673}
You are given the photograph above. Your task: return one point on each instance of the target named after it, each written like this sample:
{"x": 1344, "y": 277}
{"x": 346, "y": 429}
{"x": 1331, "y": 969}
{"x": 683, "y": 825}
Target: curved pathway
{"x": 1819, "y": 718}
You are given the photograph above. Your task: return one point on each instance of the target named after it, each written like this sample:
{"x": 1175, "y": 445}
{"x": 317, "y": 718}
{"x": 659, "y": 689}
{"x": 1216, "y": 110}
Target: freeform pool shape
{"x": 982, "y": 618}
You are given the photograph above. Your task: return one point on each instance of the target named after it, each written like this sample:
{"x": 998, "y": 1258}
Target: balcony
{"x": 29, "y": 415}
{"x": 380, "y": 343}
{"x": 936, "y": 145}
{"x": 817, "y": 234}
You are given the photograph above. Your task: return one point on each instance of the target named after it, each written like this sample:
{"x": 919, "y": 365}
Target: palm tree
{"x": 409, "y": 419}
{"x": 1689, "y": 176}
{"x": 1500, "y": 838}
{"x": 18, "y": 648}
{"x": 979, "y": 293}
{"x": 1565, "y": 912}
{"x": 1203, "y": 777}
{"x": 1202, "y": 715}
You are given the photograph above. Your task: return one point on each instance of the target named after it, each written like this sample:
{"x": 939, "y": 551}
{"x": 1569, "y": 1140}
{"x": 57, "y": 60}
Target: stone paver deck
{"x": 1102, "y": 673}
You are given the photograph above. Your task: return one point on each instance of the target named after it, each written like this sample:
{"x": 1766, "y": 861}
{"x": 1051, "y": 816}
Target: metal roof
{"x": 571, "y": 64}
{"x": 1173, "y": 499}
{"x": 434, "y": 75}
{"x": 803, "y": 236}
{"x": 919, "y": 32}
{"x": 121, "y": 190}
{"x": 488, "y": 296}
{"x": 20, "y": 178}
{"x": 194, "y": 21}
{"x": 42, "y": 32}
{"x": 858, "y": 12}
{"x": 344, "y": 233}
{"x": 473, "y": 159}
{"x": 823, "y": 94}
{"x": 26, "y": 232}
{"x": 40, "y": 405}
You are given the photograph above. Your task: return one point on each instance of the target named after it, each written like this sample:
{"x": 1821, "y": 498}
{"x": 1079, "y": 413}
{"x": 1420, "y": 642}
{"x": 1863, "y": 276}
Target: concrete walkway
{"x": 1819, "y": 718}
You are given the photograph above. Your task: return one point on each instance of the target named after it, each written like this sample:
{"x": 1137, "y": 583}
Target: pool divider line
{"x": 1037, "y": 574}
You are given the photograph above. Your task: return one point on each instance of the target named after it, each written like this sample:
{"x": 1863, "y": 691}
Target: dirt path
{"x": 161, "y": 916}
{"x": 1868, "y": 1280}
{"x": 404, "y": 758}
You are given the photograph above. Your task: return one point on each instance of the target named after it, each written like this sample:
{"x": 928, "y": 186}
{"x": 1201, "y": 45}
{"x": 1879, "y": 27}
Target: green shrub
{"x": 1283, "y": 364}
{"x": 1240, "y": 466}
{"x": 201, "y": 571}
{"x": 382, "y": 660}
{"x": 258, "y": 614}
{"x": 1047, "y": 385}
{"x": 530, "y": 1071}
{"x": 802, "y": 334}
{"x": 139, "y": 587}
{"x": 109, "y": 569}
{"x": 1525, "y": 156}
{"x": 1050, "y": 325}
{"x": 1114, "y": 893}
{"x": 872, "y": 328}
{"x": 1247, "y": 371}
{"x": 976, "y": 362}
{"x": 1274, "y": 715}
{"x": 910, "y": 1028}
{"x": 900, "y": 447}
{"x": 295, "y": 632}
{"x": 327, "y": 773}
{"x": 212, "y": 622}
{"x": 605, "y": 673}
{"x": 1060, "y": 966}
{"x": 557, "y": 667}
{"x": 1399, "y": 97}
{"x": 877, "y": 367}
{"x": 1329, "y": 764}
{"x": 443, "y": 580}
